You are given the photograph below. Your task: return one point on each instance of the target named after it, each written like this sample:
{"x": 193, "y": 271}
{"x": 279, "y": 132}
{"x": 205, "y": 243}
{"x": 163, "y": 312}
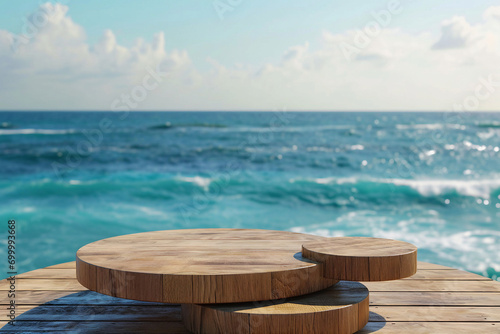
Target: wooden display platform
{"x": 436, "y": 299}
{"x": 201, "y": 266}
{"x": 363, "y": 259}
{"x": 342, "y": 308}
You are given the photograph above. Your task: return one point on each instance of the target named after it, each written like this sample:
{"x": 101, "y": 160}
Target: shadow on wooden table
{"x": 92, "y": 312}
{"x": 376, "y": 323}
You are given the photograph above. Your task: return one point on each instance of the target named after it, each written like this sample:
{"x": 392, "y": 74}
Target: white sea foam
{"x": 419, "y": 126}
{"x": 203, "y": 182}
{"x": 487, "y": 135}
{"x": 151, "y": 212}
{"x": 449, "y": 147}
{"x": 479, "y": 148}
{"x": 436, "y": 126}
{"x": 289, "y": 149}
{"x": 319, "y": 149}
{"x": 476, "y": 250}
{"x": 8, "y": 132}
{"x": 278, "y": 128}
{"x": 472, "y": 188}
{"x": 357, "y": 147}
{"x": 428, "y": 188}
{"x": 327, "y": 180}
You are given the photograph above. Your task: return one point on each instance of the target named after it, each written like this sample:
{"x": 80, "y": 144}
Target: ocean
{"x": 432, "y": 179}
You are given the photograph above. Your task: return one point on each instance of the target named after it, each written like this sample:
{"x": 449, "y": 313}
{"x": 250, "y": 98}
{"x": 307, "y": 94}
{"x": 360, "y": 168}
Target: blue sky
{"x": 254, "y": 37}
{"x": 269, "y": 27}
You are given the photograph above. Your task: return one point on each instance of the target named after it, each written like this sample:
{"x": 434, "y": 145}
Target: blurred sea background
{"x": 432, "y": 179}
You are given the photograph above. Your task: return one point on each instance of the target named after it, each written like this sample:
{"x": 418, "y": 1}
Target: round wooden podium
{"x": 259, "y": 281}
{"x": 363, "y": 259}
{"x": 342, "y": 308}
{"x": 201, "y": 266}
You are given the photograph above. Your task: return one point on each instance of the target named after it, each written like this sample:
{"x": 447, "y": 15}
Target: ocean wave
{"x": 319, "y": 191}
{"x": 11, "y": 132}
{"x": 427, "y": 188}
{"x": 357, "y": 147}
{"x": 319, "y": 149}
{"x": 253, "y": 129}
{"x": 203, "y": 182}
{"x": 146, "y": 186}
{"x": 6, "y": 125}
{"x": 164, "y": 126}
{"x": 472, "y": 146}
{"x": 168, "y": 125}
{"x": 492, "y": 125}
{"x": 431, "y": 126}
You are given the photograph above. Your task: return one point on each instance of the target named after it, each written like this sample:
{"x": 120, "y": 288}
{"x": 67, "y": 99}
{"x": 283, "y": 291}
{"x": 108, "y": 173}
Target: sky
{"x": 395, "y": 55}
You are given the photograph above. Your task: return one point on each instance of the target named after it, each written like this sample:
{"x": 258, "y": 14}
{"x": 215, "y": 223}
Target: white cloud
{"x": 455, "y": 33}
{"x": 51, "y": 65}
{"x": 57, "y": 68}
{"x": 492, "y": 13}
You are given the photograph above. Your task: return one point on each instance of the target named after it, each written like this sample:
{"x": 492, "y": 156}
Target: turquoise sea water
{"x": 432, "y": 179}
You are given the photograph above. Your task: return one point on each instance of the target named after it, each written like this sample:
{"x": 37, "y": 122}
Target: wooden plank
{"x": 95, "y": 327}
{"x": 376, "y": 298}
{"x": 113, "y": 313}
{"x": 427, "y": 298}
{"x": 34, "y": 297}
{"x": 431, "y": 266}
{"x": 448, "y": 275}
{"x": 85, "y": 297}
{"x": 431, "y": 327}
{"x": 66, "y": 265}
{"x": 363, "y": 259}
{"x": 428, "y": 285}
{"x": 49, "y": 273}
{"x": 68, "y": 284}
{"x": 435, "y": 313}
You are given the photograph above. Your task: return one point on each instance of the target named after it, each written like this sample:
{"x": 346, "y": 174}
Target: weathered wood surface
{"x": 363, "y": 259}
{"x": 341, "y": 309}
{"x": 44, "y": 308}
{"x": 201, "y": 266}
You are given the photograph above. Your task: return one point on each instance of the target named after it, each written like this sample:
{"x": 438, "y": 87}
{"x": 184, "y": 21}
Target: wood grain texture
{"x": 48, "y": 309}
{"x": 420, "y": 265}
{"x": 201, "y": 266}
{"x": 446, "y": 275}
{"x": 432, "y": 266}
{"x": 65, "y": 265}
{"x": 419, "y": 327}
{"x": 343, "y": 308}
{"x": 363, "y": 259}
{"x": 432, "y": 285}
{"x": 437, "y": 313}
{"x": 432, "y": 298}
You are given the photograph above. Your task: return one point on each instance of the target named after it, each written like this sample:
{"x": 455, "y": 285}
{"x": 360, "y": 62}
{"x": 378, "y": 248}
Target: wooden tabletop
{"x": 436, "y": 299}
{"x": 201, "y": 266}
